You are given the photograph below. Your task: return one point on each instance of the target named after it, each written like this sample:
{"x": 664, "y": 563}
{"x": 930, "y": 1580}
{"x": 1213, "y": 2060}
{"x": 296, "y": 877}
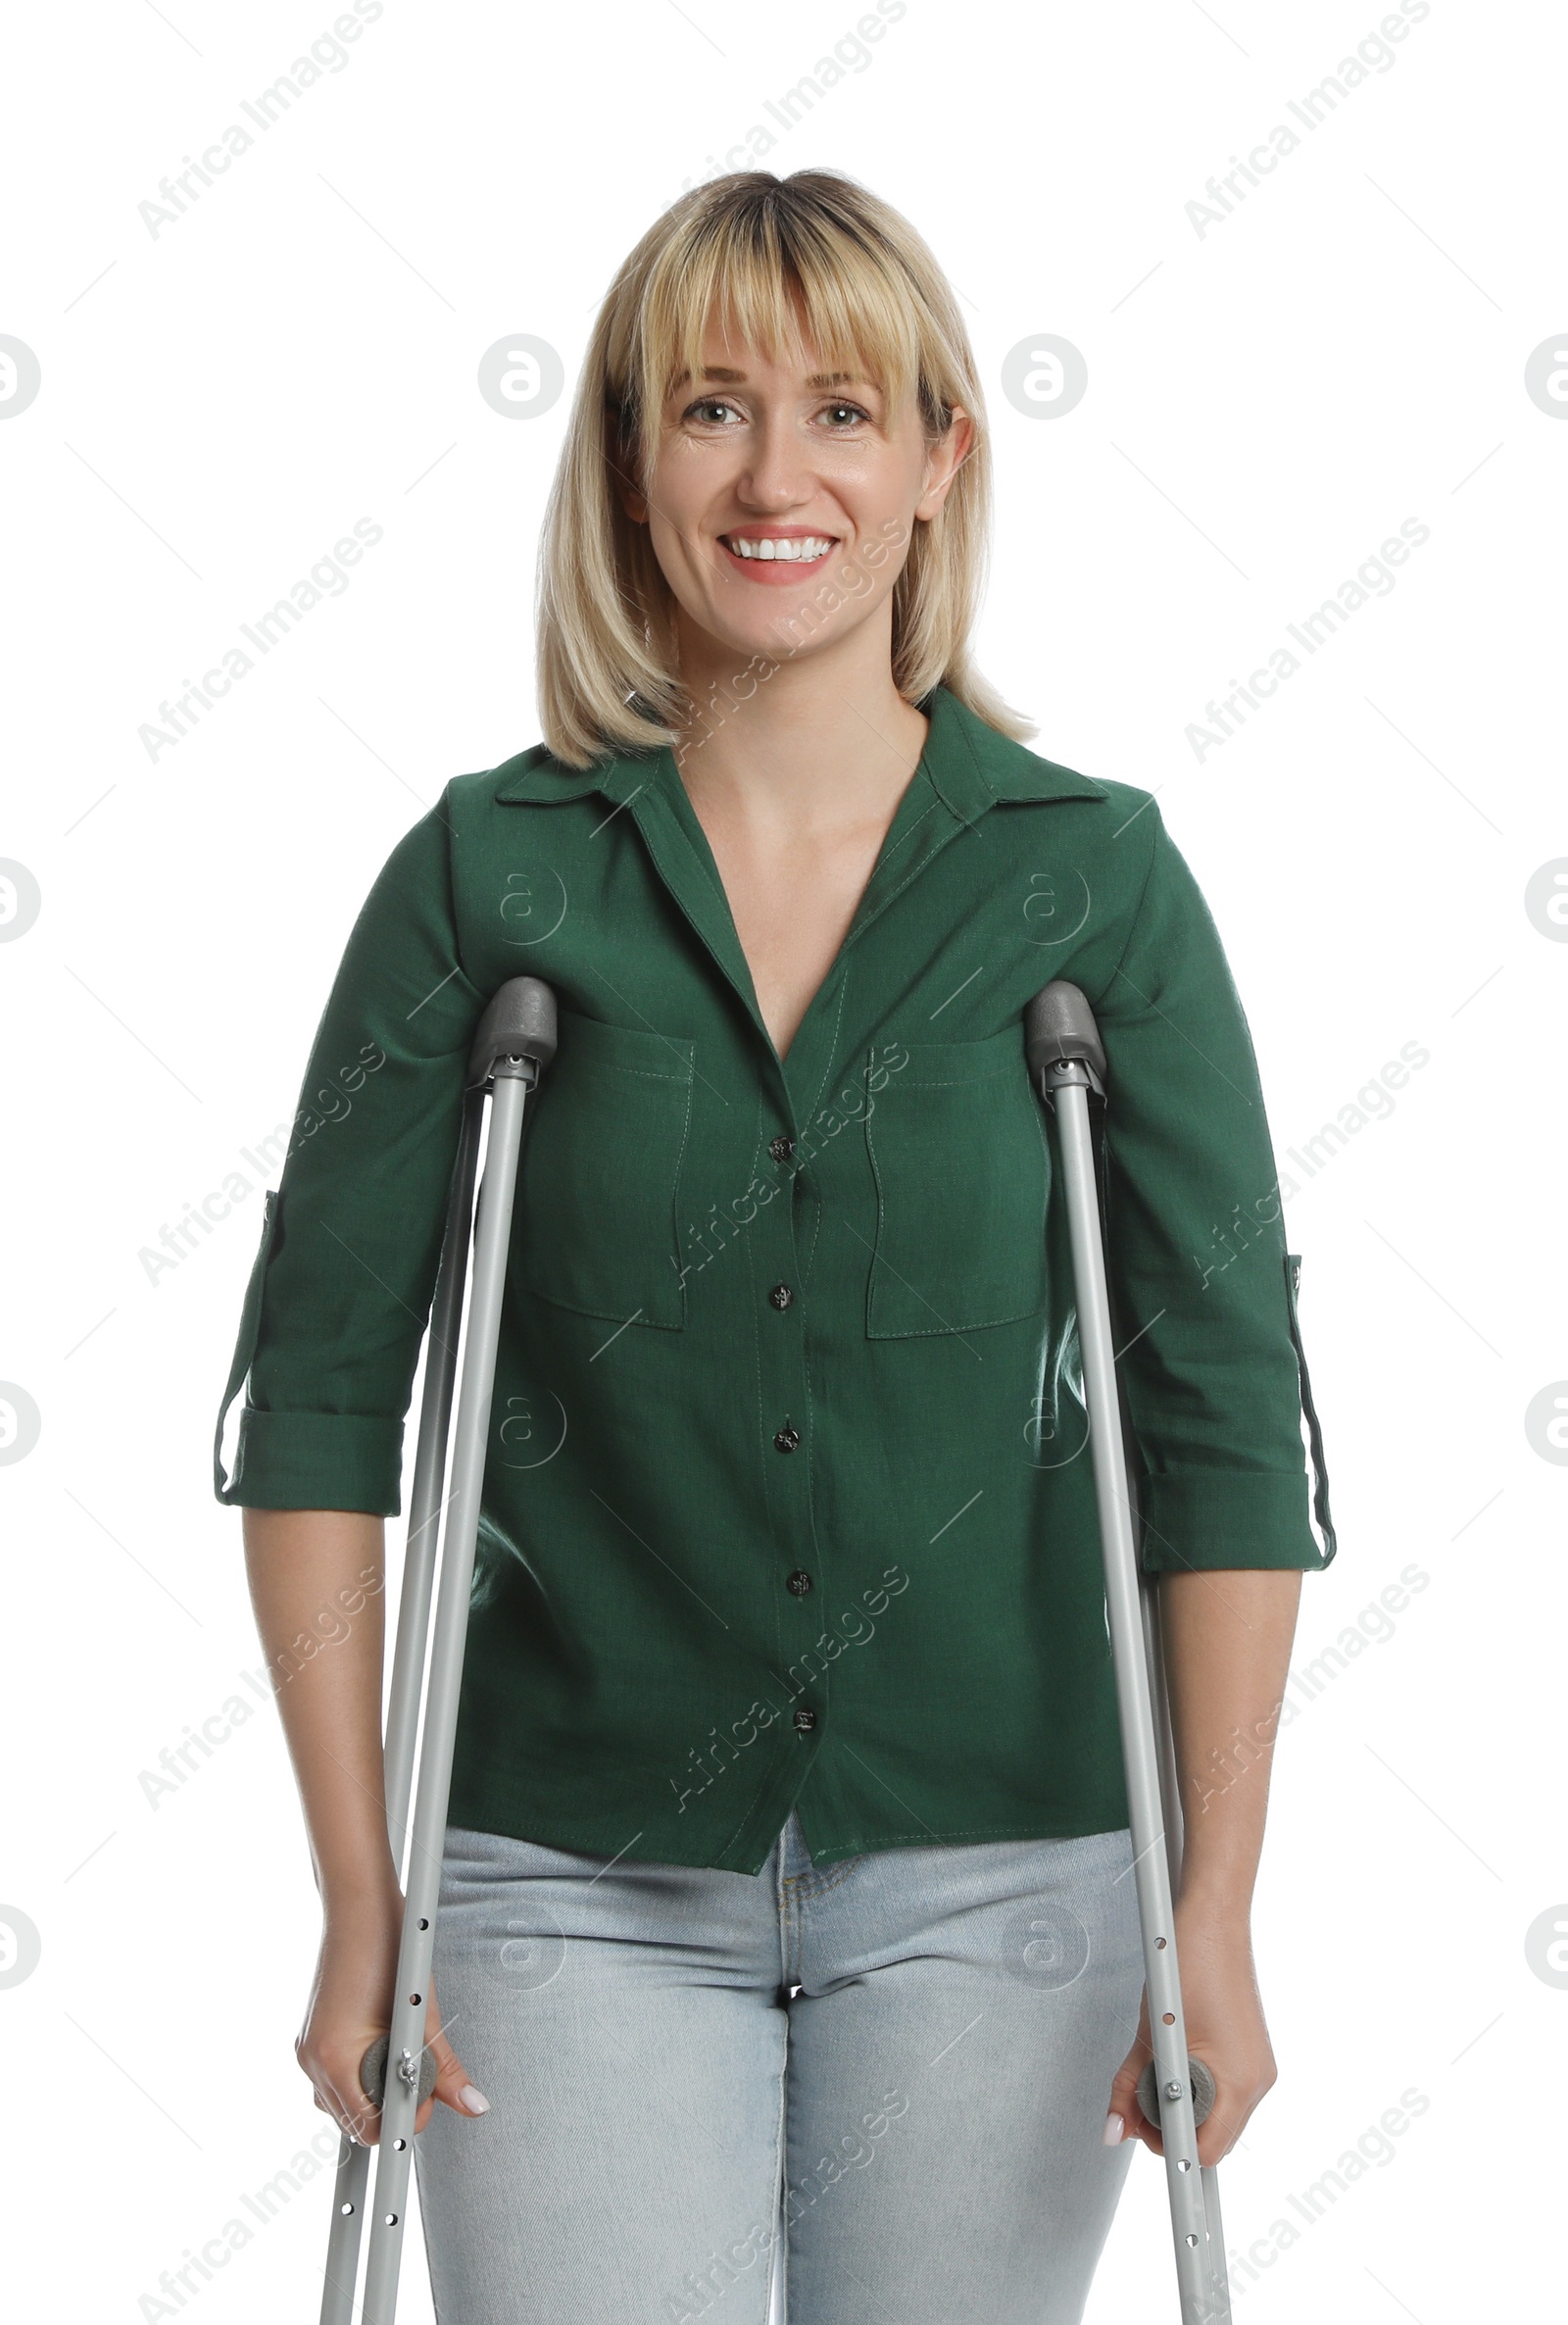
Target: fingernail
{"x": 1113, "y": 2133}
{"x": 474, "y": 2100}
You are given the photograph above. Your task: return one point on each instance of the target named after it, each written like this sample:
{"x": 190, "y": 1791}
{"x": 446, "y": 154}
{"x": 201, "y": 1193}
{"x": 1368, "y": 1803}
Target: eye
{"x": 844, "y": 415}
{"x": 707, "y": 404}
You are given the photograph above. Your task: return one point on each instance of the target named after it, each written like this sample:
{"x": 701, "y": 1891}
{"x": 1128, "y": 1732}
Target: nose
{"x": 779, "y": 475}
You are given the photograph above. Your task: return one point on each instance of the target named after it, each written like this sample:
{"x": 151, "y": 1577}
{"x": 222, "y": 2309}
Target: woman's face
{"x": 782, "y": 503}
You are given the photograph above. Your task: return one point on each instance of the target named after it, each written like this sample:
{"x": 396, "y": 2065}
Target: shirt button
{"x": 800, "y": 1582}
{"x": 781, "y": 1148}
{"x": 787, "y": 1440}
{"x": 781, "y": 1296}
{"x": 804, "y": 1721}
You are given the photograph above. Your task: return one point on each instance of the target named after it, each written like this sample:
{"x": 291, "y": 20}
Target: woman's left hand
{"x": 1224, "y": 2014}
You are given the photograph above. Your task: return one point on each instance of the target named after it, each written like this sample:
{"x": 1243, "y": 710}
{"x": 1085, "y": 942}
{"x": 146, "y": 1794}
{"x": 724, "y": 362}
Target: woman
{"x": 787, "y": 1871}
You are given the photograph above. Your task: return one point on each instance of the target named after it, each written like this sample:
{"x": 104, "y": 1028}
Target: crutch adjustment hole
{"x": 400, "y": 2144}
{"x": 1190, "y": 2239}
{"x": 424, "y": 1924}
{"x": 1167, "y": 2017}
{"x": 1184, "y": 2164}
{"x": 391, "y": 2220}
{"x": 416, "y": 1998}
{"x": 346, "y": 2210}
{"x": 1160, "y": 1941}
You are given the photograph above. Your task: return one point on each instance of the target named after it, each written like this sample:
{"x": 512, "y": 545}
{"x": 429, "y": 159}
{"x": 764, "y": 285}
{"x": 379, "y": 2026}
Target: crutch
{"x": 515, "y": 1043}
{"x": 1067, "y": 1063}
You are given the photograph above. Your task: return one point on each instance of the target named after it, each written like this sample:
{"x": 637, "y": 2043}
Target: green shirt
{"x": 787, "y": 1503}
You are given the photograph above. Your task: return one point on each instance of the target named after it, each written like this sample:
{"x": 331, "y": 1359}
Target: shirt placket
{"x": 781, "y": 1302}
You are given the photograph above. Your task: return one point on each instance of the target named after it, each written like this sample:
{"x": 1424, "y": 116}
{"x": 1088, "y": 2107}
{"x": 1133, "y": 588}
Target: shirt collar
{"x": 972, "y": 767}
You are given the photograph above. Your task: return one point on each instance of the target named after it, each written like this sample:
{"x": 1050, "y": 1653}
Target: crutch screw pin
{"x": 1173, "y": 2091}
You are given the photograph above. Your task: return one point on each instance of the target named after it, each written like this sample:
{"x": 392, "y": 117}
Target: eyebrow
{"x": 736, "y": 379}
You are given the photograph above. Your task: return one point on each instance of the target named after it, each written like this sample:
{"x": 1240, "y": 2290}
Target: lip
{"x": 777, "y": 572}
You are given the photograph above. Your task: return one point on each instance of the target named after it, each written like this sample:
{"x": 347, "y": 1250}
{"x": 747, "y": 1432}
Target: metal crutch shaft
{"x": 408, "y": 1659}
{"x": 514, "y": 1045}
{"x": 1175, "y": 1831}
{"x": 1066, "y": 1063}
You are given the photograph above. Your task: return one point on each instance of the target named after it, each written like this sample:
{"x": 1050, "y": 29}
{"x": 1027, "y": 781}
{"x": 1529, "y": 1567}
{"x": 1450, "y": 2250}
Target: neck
{"x": 811, "y": 742}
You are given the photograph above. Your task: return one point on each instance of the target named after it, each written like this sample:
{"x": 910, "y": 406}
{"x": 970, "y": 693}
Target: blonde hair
{"x": 744, "y": 250}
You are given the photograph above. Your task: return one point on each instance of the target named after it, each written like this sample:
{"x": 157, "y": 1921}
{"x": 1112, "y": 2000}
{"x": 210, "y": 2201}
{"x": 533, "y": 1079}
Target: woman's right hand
{"x": 351, "y": 1998}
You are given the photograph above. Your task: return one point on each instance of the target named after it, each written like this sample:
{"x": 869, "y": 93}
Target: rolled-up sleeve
{"x": 1202, "y": 1288}
{"x": 340, "y": 1290}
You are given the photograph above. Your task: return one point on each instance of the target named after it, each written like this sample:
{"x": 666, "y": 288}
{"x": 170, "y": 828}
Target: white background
{"x": 1268, "y": 400}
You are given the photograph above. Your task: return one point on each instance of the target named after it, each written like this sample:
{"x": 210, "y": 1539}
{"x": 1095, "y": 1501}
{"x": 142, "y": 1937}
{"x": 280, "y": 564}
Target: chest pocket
{"x": 600, "y": 1171}
{"x": 962, "y": 1169}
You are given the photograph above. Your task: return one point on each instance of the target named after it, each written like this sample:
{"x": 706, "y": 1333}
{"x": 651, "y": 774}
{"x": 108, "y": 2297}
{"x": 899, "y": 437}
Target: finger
{"x": 1222, "y": 2126}
{"x": 1217, "y": 2133}
{"x": 360, "y": 2124}
{"x": 454, "y": 2085}
{"x": 1124, "y": 2097}
{"x": 352, "y": 2118}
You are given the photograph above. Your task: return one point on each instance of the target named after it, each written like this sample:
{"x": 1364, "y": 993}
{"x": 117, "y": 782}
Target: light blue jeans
{"x": 883, "y": 2081}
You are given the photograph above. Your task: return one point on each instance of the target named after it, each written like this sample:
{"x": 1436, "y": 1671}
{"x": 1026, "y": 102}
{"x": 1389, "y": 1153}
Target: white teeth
{"x": 790, "y": 552}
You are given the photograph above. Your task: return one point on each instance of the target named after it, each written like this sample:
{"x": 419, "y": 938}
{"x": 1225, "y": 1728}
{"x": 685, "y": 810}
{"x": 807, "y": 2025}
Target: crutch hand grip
{"x": 373, "y": 2073}
{"x": 1203, "y": 2088}
{"x": 1059, "y": 1024}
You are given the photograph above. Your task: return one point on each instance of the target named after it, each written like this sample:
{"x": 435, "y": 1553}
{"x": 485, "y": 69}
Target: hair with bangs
{"x": 775, "y": 260}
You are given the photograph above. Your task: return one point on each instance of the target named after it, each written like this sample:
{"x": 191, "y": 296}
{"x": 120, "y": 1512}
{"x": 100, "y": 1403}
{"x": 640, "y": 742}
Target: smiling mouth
{"x": 774, "y": 550}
